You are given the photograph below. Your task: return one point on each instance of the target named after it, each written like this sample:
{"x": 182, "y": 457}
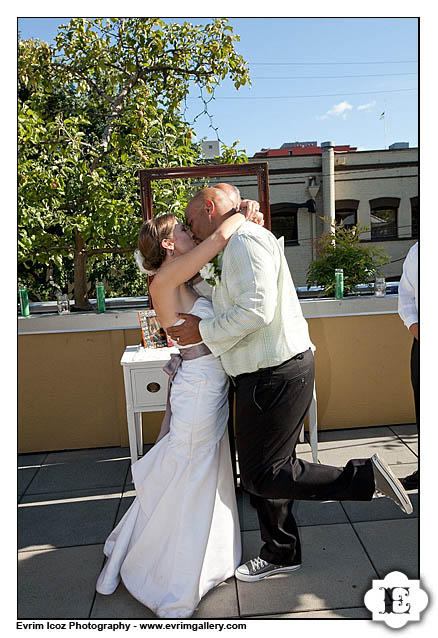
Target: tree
{"x": 102, "y": 103}
{"x": 342, "y": 249}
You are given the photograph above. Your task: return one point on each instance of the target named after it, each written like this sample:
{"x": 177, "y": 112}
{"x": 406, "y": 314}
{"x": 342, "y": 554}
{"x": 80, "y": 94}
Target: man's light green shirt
{"x": 258, "y": 320}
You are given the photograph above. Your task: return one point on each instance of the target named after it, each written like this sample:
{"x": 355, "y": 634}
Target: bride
{"x": 181, "y": 537}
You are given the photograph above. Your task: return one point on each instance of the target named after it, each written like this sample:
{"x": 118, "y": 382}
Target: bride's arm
{"x": 186, "y": 266}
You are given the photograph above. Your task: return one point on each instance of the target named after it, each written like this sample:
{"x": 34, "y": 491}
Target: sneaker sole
{"x": 281, "y": 570}
{"x": 393, "y": 480}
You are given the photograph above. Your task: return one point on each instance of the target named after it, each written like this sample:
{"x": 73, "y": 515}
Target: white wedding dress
{"x": 181, "y": 537}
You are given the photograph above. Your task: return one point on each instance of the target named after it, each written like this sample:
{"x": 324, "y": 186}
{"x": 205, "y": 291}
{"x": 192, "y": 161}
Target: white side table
{"x": 145, "y": 388}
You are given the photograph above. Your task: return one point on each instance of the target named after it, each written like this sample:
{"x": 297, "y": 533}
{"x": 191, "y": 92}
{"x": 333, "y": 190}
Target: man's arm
{"x": 407, "y": 308}
{"x": 252, "y": 286}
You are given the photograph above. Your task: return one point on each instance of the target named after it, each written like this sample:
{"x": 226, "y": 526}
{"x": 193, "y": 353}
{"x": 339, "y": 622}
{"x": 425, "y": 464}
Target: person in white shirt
{"x": 263, "y": 341}
{"x": 408, "y": 311}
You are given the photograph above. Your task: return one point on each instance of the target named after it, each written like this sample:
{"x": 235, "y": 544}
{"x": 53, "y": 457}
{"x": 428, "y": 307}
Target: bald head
{"x": 206, "y": 210}
{"x": 211, "y": 194}
{"x": 232, "y": 192}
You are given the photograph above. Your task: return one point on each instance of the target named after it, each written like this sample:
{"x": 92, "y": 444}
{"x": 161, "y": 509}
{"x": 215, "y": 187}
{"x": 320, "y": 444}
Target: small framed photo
{"x": 153, "y": 335}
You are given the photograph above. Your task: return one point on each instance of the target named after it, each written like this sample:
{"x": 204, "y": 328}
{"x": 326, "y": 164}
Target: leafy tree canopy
{"x": 101, "y": 103}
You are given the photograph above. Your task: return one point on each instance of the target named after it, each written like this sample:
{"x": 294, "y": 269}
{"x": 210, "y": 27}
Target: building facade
{"x": 375, "y": 189}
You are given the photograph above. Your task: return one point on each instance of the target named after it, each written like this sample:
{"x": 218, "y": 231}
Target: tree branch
{"x": 115, "y": 251}
{"x": 87, "y": 79}
{"x": 44, "y": 248}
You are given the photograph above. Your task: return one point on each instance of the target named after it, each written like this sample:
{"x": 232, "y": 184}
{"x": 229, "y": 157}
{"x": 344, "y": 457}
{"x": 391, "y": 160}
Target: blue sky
{"x": 358, "y": 68}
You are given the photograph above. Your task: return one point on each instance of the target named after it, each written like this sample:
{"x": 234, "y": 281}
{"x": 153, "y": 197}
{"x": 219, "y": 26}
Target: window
{"x": 346, "y": 212}
{"x": 384, "y": 218}
{"x": 414, "y": 216}
{"x": 284, "y": 222}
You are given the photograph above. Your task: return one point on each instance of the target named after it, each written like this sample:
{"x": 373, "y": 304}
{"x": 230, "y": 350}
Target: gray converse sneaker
{"x": 257, "y": 568}
{"x": 387, "y": 484}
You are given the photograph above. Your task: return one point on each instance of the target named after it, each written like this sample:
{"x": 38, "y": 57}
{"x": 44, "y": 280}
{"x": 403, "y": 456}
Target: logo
{"x": 396, "y": 600}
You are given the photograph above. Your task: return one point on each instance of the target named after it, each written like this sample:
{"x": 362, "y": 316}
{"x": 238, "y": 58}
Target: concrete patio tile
{"x": 88, "y": 454}
{"x": 126, "y": 501}
{"x": 336, "y": 447}
{"x": 379, "y": 509}
{"x": 65, "y": 476}
{"x": 336, "y": 573}
{"x": 404, "y": 429}
{"x": 146, "y": 449}
{"x": 391, "y": 545}
{"x": 329, "y": 614}
{"x": 409, "y": 435}
{"x": 310, "y": 513}
{"x": 28, "y": 465}
{"x": 119, "y": 605}
{"x": 31, "y": 460}
{"x": 220, "y": 602}
{"x": 303, "y": 448}
{"x": 404, "y": 469}
{"x": 64, "y": 519}
{"x": 24, "y": 478}
{"x": 58, "y": 583}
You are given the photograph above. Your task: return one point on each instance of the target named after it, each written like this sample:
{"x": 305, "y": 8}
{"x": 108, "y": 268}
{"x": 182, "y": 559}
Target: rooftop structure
{"x": 300, "y": 148}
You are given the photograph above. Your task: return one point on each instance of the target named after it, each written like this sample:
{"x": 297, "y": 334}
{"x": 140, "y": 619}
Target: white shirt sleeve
{"x": 203, "y": 289}
{"x": 408, "y": 288}
{"x": 251, "y": 273}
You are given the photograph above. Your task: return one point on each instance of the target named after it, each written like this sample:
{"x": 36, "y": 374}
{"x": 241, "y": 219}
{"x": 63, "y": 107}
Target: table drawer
{"x": 149, "y": 388}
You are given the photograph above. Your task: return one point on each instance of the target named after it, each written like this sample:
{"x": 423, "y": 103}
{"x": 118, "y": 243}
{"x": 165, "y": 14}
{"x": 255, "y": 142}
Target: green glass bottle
{"x": 339, "y": 283}
{"x": 24, "y": 302}
{"x": 100, "y": 296}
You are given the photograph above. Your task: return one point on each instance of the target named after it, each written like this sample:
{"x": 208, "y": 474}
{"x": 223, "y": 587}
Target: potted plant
{"x": 342, "y": 249}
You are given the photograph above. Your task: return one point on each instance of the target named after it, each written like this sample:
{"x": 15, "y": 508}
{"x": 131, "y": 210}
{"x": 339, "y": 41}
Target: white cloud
{"x": 365, "y": 107}
{"x": 337, "y": 110}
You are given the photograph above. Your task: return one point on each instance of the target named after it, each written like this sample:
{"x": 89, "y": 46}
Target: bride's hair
{"x": 151, "y": 254}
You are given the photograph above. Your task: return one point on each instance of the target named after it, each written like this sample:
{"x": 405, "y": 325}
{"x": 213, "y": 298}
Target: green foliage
{"x": 342, "y": 249}
{"x": 93, "y": 109}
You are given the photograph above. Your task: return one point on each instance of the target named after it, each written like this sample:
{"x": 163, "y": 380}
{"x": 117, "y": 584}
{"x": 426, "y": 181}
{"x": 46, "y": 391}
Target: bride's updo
{"x": 150, "y": 254}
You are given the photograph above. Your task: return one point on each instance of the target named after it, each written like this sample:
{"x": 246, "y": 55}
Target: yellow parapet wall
{"x": 71, "y": 393}
{"x": 362, "y": 368}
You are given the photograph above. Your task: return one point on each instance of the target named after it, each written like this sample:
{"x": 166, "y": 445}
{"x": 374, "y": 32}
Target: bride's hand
{"x": 251, "y": 210}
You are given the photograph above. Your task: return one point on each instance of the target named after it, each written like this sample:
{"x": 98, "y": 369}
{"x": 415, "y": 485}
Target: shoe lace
{"x": 257, "y": 563}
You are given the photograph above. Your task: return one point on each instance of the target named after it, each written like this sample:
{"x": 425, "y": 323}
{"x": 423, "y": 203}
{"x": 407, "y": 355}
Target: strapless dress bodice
{"x": 203, "y": 308}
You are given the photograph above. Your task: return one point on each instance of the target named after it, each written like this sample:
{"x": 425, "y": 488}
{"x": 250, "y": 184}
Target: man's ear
{"x": 209, "y": 207}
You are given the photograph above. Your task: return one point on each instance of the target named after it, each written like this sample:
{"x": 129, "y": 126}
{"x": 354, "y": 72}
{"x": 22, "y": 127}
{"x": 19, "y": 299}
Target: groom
{"x": 262, "y": 338}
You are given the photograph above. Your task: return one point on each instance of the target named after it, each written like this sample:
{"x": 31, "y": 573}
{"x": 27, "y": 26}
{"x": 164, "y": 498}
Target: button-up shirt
{"x": 258, "y": 319}
{"x": 408, "y": 288}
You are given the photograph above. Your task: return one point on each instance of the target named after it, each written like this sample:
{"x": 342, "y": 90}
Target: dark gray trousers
{"x": 270, "y": 408}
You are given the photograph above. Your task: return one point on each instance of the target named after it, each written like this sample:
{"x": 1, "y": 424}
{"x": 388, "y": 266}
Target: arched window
{"x": 384, "y": 212}
{"x": 284, "y": 222}
{"x": 346, "y": 212}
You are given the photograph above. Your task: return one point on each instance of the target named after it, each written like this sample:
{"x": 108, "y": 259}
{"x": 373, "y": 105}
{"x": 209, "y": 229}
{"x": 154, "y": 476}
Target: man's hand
{"x": 414, "y": 329}
{"x": 188, "y": 332}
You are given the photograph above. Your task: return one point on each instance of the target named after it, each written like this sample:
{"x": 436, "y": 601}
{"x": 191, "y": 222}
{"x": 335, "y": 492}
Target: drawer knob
{"x": 153, "y": 387}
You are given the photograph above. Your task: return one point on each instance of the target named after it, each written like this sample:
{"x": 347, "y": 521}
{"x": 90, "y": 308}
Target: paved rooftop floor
{"x": 70, "y": 501}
